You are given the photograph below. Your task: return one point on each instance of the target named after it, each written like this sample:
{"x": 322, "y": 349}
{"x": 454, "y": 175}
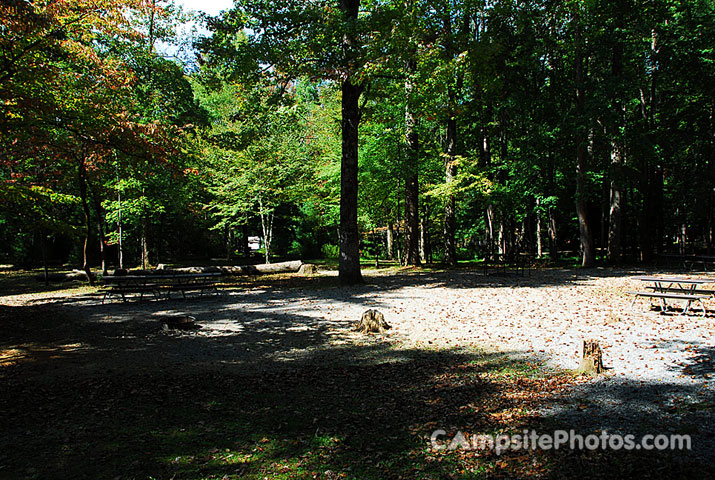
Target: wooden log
{"x": 64, "y": 277}
{"x": 266, "y": 268}
{"x": 592, "y": 361}
{"x": 283, "y": 267}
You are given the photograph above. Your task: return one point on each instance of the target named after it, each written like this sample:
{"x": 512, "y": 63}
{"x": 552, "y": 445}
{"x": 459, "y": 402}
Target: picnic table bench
{"x": 688, "y": 262}
{"x": 675, "y": 288}
{"x": 499, "y": 262}
{"x": 121, "y": 285}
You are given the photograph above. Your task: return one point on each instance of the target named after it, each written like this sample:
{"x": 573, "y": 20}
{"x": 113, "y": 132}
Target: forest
{"x": 423, "y": 131}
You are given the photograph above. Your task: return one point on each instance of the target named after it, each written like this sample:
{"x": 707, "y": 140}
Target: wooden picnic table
{"x": 121, "y": 285}
{"x": 689, "y": 261}
{"x": 675, "y": 288}
{"x": 521, "y": 262}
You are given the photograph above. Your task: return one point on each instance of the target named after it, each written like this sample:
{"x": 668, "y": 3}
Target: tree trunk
{"x": 267, "y": 227}
{"x": 450, "y": 172}
{"x": 500, "y": 237}
{"x": 586, "y": 236}
{"x": 390, "y": 241}
{"x": 450, "y": 168}
{"x": 349, "y": 261}
{"x": 425, "y": 246}
{"x": 101, "y": 227}
{"x": 144, "y": 246}
{"x": 119, "y": 232}
{"x": 651, "y": 180}
{"x": 376, "y": 245}
{"x": 489, "y": 234}
{"x": 43, "y": 246}
{"x": 245, "y": 248}
{"x": 412, "y": 219}
{"x": 82, "y": 177}
{"x": 539, "y": 246}
{"x": 615, "y": 212}
{"x": 553, "y": 237}
{"x": 227, "y": 237}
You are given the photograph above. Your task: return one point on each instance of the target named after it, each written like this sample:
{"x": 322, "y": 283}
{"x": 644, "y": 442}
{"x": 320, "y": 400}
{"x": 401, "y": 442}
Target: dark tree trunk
{"x": 102, "y": 230}
{"x": 425, "y": 244}
{"x": 585, "y": 233}
{"x": 349, "y": 261}
{"x": 652, "y": 179}
{"x": 82, "y": 177}
{"x": 412, "y": 219}
{"x": 43, "y": 246}
{"x": 245, "y": 248}
{"x": 390, "y": 241}
{"x": 144, "y": 246}
{"x": 553, "y": 237}
{"x": 450, "y": 248}
{"x": 615, "y": 212}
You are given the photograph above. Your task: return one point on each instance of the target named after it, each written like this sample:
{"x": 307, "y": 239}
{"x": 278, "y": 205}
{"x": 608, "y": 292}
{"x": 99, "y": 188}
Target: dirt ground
{"x": 659, "y": 365}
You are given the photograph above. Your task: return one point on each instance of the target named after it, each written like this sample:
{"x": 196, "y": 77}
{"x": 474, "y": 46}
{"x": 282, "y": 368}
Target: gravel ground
{"x": 659, "y": 365}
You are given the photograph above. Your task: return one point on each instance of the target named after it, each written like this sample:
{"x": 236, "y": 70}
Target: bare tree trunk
{"x": 501, "y": 241}
{"x": 615, "y": 213}
{"x": 227, "y": 241}
{"x": 349, "y": 260}
{"x": 390, "y": 241}
{"x": 119, "y": 232}
{"x": 450, "y": 249}
{"x": 99, "y": 211}
{"x": 82, "y": 177}
{"x": 585, "y": 233}
{"x": 43, "y": 246}
{"x": 651, "y": 180}
{"x": 376, "y": 246}
{"x": 489, "y": 221}
{"x": 144, "y": 245}
{"x": 539, "y": 246}
{"x": 267, "y": 227}
{"x": 412, "y": 218}
{"x": 425, "y": 245}
{"x": 553, "y": 235}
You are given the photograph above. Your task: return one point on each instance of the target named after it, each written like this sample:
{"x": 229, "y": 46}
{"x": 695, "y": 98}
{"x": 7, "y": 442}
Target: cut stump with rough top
{"x": 372, "y": 321}
{"x": 592, "y": 361}
{"x": 178, "y": 322}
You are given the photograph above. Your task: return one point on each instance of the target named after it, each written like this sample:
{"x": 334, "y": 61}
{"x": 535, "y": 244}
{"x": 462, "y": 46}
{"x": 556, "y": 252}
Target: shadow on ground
{"x": 282, "y": 395}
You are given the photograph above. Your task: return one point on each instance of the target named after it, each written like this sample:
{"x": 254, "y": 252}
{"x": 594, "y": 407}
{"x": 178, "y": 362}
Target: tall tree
{"x": 319, "y": 39}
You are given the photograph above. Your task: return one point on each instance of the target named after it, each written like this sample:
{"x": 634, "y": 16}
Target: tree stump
{"x": 372, "y": 321}
{"x": 592, "y": 361}
{"x": 178, "y": 322}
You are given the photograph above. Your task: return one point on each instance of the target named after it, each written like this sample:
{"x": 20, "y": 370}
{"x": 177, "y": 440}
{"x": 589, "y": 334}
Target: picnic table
{"x": 688, "y": 262}
{"x": 520, "y": 262}
{"x": 675, "y": 288}
{"x": 156, "y": 284}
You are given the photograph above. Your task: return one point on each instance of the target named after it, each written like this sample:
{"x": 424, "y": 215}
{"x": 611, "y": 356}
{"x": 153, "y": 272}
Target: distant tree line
{"x": 421, "y": 131}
